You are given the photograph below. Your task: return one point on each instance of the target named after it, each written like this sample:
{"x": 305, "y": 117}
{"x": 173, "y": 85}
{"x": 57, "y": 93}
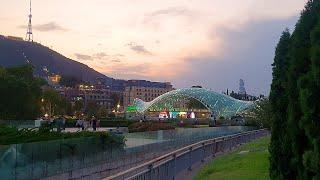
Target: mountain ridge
{"x": 15, "y": 51}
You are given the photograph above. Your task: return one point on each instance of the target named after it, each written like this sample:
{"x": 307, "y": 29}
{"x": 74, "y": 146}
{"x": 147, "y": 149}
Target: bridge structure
{"x": 218, "y": 104}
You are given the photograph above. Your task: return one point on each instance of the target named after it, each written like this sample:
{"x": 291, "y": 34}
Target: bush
{"x": 149, "y": 126}
{"x": 105, "y": 123}
{"x": 11, "y": 135}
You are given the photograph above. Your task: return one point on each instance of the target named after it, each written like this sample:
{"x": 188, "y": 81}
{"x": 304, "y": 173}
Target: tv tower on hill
{"x": 29, "y": 35}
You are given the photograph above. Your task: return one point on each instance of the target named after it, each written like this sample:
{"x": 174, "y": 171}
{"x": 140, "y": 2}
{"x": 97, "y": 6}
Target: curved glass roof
{"x": 220, "y": 104}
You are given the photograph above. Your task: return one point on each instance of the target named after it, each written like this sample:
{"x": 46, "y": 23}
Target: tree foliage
{"x": 259, "y": 115}
{"x": 279, "y": 148}
{"x": 54, "y": 104}
{"x": 294, "y": 96}
{"x": 20, "y": 93}
{"x": 69, "y": 81}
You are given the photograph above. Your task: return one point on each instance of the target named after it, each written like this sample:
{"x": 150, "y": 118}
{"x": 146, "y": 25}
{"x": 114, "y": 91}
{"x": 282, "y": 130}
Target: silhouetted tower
{"x": 29, "y": 35}
{"x": 242, "y": 89}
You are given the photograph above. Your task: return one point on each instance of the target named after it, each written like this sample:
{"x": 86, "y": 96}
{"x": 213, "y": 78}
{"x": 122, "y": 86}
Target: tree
{"x": 69, "y": 81}
{"x": 78, "y": 105}
{"x": 20, "y": 93}
{"x": 259, "y": 115}
{"x": 102, "y": 112}
{"x": 298, "y": 96}
{"x": 116, "y": 98}
{"x": 280, "y": 149}
{"x": 92, "y": 108}
{"x": 309, "y": 94}
{"x": 300, "y": 65}
{"x": 54, "y": 104}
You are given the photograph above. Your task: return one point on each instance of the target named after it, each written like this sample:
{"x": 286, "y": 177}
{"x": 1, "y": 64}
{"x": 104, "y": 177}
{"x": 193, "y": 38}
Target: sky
{"x": 212, "y": 43}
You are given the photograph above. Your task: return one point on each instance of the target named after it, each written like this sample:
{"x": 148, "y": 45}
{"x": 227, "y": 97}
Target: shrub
{"x": 149, "y": 126}
{"x": 12, "y": 135}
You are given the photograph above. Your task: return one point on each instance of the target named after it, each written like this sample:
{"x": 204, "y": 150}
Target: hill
{"x": 14, "y": 52}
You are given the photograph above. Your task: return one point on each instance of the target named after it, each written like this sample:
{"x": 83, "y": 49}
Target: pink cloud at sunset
{"x": 156, "y": 40}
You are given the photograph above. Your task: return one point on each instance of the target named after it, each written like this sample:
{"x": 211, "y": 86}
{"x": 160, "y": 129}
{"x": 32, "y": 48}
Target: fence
{"x": 169, "y": 165}
{"x": 83, "y": 157}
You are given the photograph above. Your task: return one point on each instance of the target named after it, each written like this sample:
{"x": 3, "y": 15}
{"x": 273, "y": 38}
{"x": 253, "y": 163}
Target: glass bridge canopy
{"x": 219, "y": 104}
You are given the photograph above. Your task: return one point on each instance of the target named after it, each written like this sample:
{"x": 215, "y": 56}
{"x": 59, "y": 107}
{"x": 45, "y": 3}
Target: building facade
{"x": 144, "y": 91}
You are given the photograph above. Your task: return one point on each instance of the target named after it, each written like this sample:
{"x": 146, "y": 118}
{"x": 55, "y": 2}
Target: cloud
{"x": 83, "y": 57}
{"x": 248, "y": 54}
{"x": 172, "y": 11}
{"x": 138, "y": 48}
{"x": 178, "y": 13}
{"x": 116, "y": 60}
{"x": 51, "y": 26}
{"x": 100, "y": 55}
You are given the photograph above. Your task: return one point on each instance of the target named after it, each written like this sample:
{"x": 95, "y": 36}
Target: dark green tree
{"x": 294, "y": 97}
{"x": 260, "y": 115}
{"x": 69, "y": 81}
{"x": 280, "y": 149}
{"x": 54, "y": 104}
{"x": 309, "y": 94}
{"x": 102, "y": 112}
{"x": 20, "y": 93}
{"x": 92, "y": 108}
{"x": 300, "y": 65}
{"x": 78, "y": 105}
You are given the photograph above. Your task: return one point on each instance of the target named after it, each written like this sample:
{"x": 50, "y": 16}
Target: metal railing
{"x": 83, "y": 158}
{"x": 169, "y": 165}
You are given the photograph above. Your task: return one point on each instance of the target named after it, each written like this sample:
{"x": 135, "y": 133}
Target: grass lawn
{"x": 248, "y": 162}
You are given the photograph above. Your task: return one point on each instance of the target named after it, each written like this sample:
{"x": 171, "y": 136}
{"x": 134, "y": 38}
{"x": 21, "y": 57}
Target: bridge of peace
{"x": 169, "y": 104}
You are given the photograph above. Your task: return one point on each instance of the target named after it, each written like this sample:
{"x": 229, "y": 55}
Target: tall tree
{"x": 280, "y": 149}
{"x": 296, "y": 132}
{"x": 300, "y": 65}
{"x": 309, "y": 93}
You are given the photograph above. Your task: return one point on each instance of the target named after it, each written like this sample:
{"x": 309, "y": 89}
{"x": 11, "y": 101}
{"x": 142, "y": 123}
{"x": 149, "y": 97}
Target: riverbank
{"x": 249, "y": 161}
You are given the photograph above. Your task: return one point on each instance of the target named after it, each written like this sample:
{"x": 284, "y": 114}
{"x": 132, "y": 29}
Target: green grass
{"x": 251, "y": 164}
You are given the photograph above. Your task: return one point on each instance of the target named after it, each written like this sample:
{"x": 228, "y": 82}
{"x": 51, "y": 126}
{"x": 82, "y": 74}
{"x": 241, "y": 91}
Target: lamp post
{"x": 117, "y": 111}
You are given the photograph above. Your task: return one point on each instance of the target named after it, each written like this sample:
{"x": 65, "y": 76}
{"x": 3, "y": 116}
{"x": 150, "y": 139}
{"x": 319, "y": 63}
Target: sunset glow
{"x": 155, "y": 40}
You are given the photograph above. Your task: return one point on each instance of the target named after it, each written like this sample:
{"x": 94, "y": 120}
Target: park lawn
{"x": 252, "y": 163}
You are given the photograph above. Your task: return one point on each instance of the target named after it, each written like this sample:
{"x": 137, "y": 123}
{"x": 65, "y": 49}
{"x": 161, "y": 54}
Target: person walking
{"x": 98, "y": 123}
{"x": 85, "y": 124}
{"x": 58, "y": 123}
{"x": 94, "y": 123}
{"x": 63, "y": 123}
{"x": 79, "y": 124}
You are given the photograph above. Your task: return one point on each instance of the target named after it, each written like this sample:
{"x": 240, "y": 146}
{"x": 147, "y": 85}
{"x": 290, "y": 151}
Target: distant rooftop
{"x": 145, "y": 83}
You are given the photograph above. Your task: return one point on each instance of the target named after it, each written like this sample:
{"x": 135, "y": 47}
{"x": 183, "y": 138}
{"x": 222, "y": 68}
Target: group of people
{"x": 84, "y": 124}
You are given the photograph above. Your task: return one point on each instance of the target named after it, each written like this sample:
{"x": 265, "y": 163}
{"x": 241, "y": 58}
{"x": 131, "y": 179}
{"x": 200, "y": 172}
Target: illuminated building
{"x": 144, "y": 91}
{"x": 215, "y": 103}
{"x": 55, "y": 78}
